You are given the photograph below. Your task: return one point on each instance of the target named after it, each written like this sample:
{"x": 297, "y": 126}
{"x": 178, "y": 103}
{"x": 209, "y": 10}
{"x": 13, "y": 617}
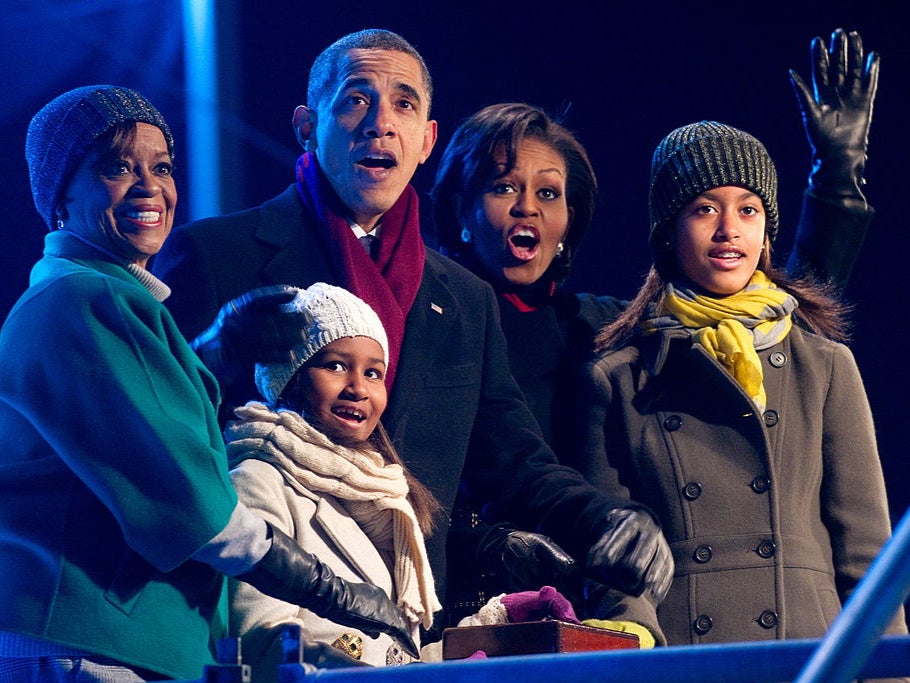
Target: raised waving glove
{"x": 290, "y": 573}
{"x": 837, "y": 114}
{"x": 526, "y": 560}
{"x": 254, "y": 327}
{"x": 632, "y": 555}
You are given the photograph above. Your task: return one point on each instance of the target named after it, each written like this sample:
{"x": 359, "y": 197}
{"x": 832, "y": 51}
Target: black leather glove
{"x": 632, "y": 555}
{"x": 525, "y": 560}
{"x": 837, "y": 114}
{"x": 248, "y": 329}
{"x": 290, "y": 573}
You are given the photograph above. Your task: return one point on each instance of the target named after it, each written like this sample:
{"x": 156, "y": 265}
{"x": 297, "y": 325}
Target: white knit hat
{"x": 330, "y": 313}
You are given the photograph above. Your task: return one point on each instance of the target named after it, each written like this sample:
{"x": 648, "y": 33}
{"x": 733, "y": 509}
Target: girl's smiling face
{"x": 719, "y": 237}
{"x": 521, "y": 215}
{"x": 342, "y": 388}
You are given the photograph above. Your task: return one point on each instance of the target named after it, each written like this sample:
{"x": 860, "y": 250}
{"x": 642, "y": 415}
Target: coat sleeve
{"x": 110, "y": 387}
{"x": 854, "y": 500}
{"x": 254, "y": 616}
{"x": 590, "y": 455}
{"x": 828, "y": 240}
{"x": 592, "y": 459}
{"x": 613, "y": 605}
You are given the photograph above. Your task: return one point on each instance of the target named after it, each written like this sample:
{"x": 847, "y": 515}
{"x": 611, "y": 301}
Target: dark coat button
{"x": 778, "y": 359}
{"x": 672, "y": 423}
{"x": 768, "y": 619}
{"x": 771, "y": 418}
{"x": 702, "y": 624}
{"x": 692, "y": 490}
{"x": 703, "y": 554}
{"x": 766, "y": 549}
{"x": 761, "y": 484}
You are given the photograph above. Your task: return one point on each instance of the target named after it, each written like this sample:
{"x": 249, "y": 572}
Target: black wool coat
{"x": 455, "y": 412}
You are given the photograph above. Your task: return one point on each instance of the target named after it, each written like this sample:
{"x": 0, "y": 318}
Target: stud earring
{"x": 559, "y": 249}
{"x": 466, "y": 236}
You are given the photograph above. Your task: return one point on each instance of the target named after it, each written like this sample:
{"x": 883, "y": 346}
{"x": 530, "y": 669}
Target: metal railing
{"x": 852, "y": 648}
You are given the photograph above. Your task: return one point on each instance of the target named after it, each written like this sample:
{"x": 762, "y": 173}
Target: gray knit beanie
{"x": 701, "y": 156}
{"x": 60, "y": 135}
{"x": 330, "y": 313}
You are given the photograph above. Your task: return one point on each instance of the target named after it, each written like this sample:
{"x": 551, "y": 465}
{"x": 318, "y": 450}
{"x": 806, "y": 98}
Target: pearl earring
{"x": 559, "y": 249}
{"x": 465, "y": 235}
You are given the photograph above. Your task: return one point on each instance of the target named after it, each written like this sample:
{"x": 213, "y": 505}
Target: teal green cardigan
{"x": 112, "y": 470}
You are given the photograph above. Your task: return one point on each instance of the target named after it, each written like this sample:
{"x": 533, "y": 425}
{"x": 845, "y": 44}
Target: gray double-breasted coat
{"x": 773, "y": 517}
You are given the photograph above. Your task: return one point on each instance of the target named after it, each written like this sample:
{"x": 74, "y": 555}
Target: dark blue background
{"x": 630, "y": 72}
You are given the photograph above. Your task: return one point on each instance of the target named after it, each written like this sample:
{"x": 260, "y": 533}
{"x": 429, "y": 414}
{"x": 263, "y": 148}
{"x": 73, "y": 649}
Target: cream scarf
{"x": 373, "y": 493}
{"x": 732, "y": 328}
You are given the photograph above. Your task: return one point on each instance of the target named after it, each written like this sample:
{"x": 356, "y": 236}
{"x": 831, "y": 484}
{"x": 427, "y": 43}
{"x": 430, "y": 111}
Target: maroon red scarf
{"x": 390, "y": 283}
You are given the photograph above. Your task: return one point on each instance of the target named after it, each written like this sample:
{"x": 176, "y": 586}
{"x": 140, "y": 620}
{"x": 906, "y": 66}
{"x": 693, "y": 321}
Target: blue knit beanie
{"x": 60, "y": 135}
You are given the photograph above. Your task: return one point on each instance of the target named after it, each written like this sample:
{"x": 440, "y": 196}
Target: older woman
{"x": 118, "y": 520}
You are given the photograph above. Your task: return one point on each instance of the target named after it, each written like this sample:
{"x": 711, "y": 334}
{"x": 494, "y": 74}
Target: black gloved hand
{"x": 525, "y": 560}
{"x": 251, "y": 328}
{"x": 632, "y": 555}
{"x": 837, "y": 114}
{"x": 290, "y": 573}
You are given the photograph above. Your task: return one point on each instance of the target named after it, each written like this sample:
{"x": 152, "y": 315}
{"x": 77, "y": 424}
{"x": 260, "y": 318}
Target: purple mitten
{"x": 547, "y": 603}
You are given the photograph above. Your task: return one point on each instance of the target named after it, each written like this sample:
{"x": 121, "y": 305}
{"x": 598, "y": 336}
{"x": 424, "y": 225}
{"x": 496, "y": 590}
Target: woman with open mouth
{"x": 515, "y": 194}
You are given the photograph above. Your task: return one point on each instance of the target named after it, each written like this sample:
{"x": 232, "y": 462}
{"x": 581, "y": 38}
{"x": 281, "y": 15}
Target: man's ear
{"x": 304, "y": 122}
{"x": 429, "y": 140}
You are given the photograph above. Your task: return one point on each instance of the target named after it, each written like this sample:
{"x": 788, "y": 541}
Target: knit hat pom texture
{"x": 330, "y": 313}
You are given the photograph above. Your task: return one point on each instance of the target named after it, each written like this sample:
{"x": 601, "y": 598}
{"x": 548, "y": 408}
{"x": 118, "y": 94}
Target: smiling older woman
{"x": 108, "y": 421}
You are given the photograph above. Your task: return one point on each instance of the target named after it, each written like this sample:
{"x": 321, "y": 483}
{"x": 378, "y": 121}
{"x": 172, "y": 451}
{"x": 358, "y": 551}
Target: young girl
{"x": 725, "y": 401}
{"x": 315, "y": 461}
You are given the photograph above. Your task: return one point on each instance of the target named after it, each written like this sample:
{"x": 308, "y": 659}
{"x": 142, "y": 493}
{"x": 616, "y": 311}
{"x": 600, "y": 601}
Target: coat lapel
{"x": 301, "y": 257}
{"x": 430, "y": 327}
{"x": 352, "y": 543}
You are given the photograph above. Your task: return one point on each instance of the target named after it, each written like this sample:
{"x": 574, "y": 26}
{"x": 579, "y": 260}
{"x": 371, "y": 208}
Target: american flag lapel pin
{"x": 436, "y": 307}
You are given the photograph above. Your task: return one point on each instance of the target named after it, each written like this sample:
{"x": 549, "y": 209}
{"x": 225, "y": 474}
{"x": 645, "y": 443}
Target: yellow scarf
{"x": 733, "y": 328}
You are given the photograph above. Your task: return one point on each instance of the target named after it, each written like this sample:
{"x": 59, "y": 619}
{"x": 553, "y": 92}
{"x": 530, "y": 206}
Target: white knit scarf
{"x": 373, "y": 492}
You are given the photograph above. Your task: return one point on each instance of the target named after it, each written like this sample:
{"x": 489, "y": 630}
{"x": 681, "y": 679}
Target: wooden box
{"x": 531, "y": 637}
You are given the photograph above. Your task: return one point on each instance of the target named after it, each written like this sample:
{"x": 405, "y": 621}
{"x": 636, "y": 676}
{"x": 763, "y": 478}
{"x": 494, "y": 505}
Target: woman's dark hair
{"x": 468, "y": 163}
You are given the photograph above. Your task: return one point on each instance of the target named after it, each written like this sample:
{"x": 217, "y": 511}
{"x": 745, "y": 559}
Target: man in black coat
{"x": 455, "y": 412}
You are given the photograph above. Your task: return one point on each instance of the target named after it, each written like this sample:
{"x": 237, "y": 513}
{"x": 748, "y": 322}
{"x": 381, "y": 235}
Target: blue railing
{"x": 853, "y": 648}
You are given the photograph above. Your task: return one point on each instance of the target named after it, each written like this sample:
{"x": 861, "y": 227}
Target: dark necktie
{"x": 371, "y": 244}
